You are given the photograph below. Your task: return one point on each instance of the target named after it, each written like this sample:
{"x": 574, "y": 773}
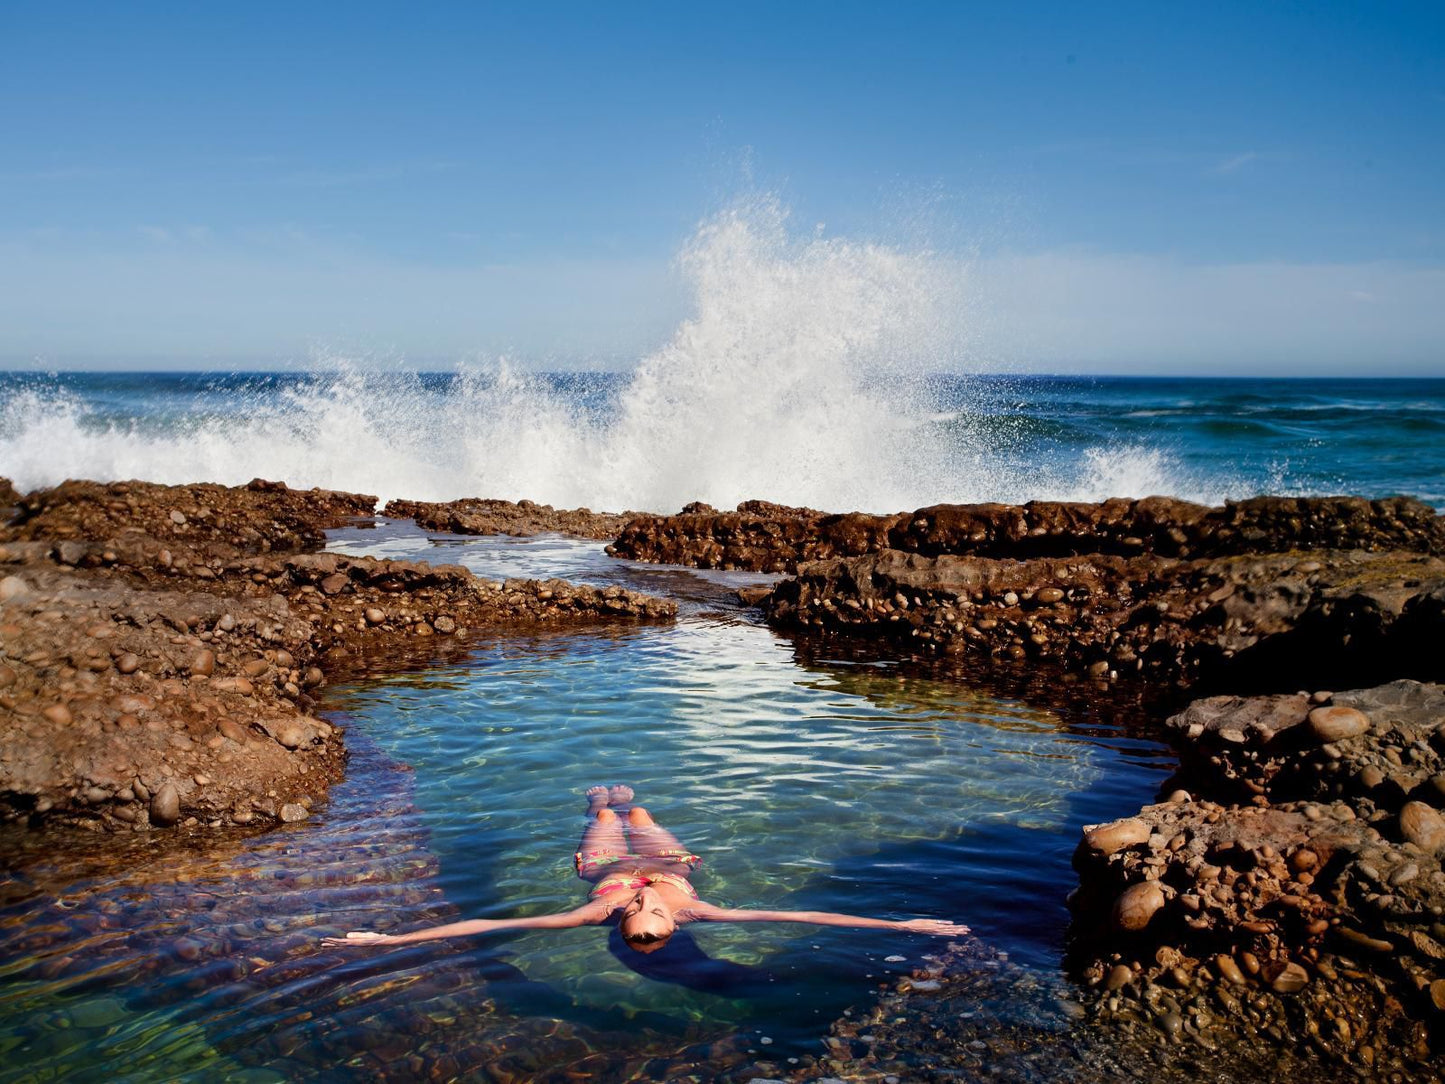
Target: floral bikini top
{"x": 631, "y": 882}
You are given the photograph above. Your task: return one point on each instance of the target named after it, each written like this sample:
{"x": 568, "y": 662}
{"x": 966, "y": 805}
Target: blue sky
{"x": 1233, "y": 187}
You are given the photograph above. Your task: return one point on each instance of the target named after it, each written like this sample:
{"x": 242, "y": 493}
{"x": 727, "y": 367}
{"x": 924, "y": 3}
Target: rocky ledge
{"x": 1235, "y": 622}
{"x": 477, "y": 516}
{"x": 160, "y": 647}
{"x": 764, "y": 537}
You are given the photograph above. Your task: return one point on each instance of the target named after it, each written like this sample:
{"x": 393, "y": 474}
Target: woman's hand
{"x": 358, "y": 937}
{"x": 939, "y": 927}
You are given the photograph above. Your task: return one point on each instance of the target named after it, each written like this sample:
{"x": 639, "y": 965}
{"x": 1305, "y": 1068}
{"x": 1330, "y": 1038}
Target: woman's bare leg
{"x": 604, "y": 833}
{"x": 649, "y": 838}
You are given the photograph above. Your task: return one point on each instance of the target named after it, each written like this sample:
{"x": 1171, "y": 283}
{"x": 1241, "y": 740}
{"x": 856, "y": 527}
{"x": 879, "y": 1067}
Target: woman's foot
{"x": 619, "y": 795}
{"x": 596, "y": 799}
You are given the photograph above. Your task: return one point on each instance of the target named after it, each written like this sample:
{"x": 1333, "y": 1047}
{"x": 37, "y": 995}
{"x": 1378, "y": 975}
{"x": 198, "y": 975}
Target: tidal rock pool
{"x": 804, "y": 783}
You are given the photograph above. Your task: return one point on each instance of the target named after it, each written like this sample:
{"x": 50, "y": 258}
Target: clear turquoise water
{"x": 837, "y": 785}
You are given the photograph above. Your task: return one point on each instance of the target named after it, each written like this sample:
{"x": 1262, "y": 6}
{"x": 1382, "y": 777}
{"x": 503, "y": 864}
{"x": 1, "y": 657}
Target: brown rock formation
{"x": 1239, "y": 621}
{"x": 158, "y": 646}
{"x": 770, "y": 538}
{"x": 1330, "y": 863}
{"x": 482, "y": 517}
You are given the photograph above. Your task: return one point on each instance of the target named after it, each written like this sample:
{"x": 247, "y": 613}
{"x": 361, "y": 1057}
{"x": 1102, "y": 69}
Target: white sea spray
{"x": 799, "y": 376}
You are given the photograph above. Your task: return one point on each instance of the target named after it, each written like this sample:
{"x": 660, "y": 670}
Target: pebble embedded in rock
{"x": 178, "y": 518}
{"x": 58, "y": 714}
{"x": 1291, "y": 980}
{"x": 1049, "y": 595}
{"x": 1136, "y": 905}
{"x": 1338, "y": 723}
{"x": 166, "y": 806}
{"x": 1109, "y": 839}
{"x": 1120, "y": 975}
{"x": 1423, "y": 826}
{"x": 1228, "y": 969}
{"x": 291, "y": 735}
{"x": 335, "y": 583}
{"x": 204, "y": 663}
{"x": 375, "y": 615}
{"x": 293, "y": 811}
{"x": 13, "y": 587}
{"x": 128, "y": 663}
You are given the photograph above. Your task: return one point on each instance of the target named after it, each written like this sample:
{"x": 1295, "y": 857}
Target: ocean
{"x": 679, "y": 429}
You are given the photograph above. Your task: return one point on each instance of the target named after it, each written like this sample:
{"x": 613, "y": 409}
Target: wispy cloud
{"x": 62, "y": 173}
{"x": 361, "y": 175}
{"x": 1235, "y": 162}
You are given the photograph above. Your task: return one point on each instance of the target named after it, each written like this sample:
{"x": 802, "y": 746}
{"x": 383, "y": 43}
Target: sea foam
{"x": 800, "y": 376}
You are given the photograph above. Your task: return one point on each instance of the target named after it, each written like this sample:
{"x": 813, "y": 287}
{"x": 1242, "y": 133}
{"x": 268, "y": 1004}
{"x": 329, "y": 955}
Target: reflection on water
{"x": 836, "y": 786}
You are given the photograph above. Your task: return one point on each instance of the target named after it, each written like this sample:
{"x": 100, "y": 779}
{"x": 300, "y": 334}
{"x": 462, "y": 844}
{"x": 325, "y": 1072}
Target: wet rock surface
{"x": 161, "y": 647}
{"x": 1236, "y": 622}
{"x": 1302, "y": 862}
{"x": 482, "y": 517}
{"x": 764, "y": 537}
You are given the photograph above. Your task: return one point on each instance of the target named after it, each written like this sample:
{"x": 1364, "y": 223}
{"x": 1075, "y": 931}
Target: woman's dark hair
{"x": 645, "y": 938}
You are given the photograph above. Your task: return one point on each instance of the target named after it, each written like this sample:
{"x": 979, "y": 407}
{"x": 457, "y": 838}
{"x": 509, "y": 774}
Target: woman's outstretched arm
{"x": 589, "y": 914}
{"x": 706, "y": 912}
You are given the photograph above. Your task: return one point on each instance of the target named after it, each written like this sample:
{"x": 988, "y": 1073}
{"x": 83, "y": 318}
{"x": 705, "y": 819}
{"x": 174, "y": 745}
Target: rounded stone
{"x": 1291, "y": 980}
{"x": 1137, "y": 905}
{"x": 204, "y": 663}
{"x": 375, "y": 615}
{"x": 166, "y": 806}
{"x": 1423, "y": 826}
{"x": 128, "y": 663}
{"x": 1338, "y": 723}
{"x": 1049, "y": 595}
{"x": 1228, "y": 969}
{"x": 1437, "y": 994}
{"x": 335, "y": 583}
{"x": 1109, "y": 839}
{"x": 13, "y": 587}
{"x": 291, "y": 735}
{"x": 1120, "y": 975}
{"x": 293, "y": 811}
{"x": 58, "y": 714}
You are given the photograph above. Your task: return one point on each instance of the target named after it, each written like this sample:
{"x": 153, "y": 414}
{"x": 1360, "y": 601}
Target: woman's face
{"x": 647, "y": 921}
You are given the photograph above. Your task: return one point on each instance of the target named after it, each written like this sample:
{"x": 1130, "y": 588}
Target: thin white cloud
{"x": 1234, "y": 163}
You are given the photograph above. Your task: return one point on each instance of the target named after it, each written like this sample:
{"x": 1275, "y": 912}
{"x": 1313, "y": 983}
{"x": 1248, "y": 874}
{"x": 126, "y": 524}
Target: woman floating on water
{"x": 645, "y": 886}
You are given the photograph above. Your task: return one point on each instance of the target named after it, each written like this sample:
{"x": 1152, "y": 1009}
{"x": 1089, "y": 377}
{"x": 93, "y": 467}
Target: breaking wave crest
{"x": 801, "y": 376}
